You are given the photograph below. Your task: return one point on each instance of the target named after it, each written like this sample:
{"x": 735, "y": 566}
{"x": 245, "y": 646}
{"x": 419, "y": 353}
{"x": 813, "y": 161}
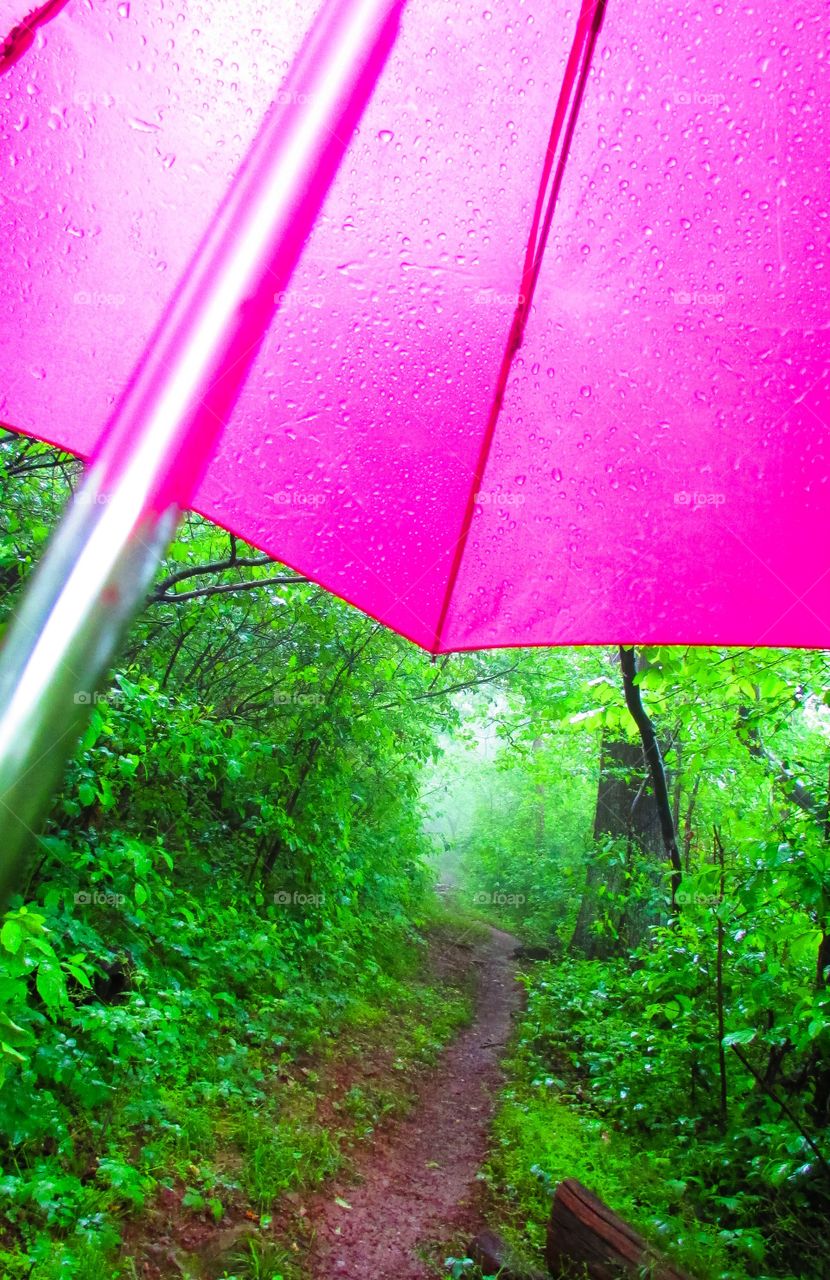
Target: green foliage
{"x": 231, "y": 877}
{"x": 284, "y": 1153}
{"x": 540, "y": 1139}
{"x": 463, "y": 1269}
{"x": 258, "y": 1259}
{"x": 516, "y": 826}
{"x": 618, "y": 1076}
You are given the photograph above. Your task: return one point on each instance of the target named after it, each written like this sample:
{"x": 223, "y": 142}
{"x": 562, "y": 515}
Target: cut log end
{"x": 586, "y": 1239}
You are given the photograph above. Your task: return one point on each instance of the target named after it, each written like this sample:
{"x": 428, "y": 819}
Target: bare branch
{"x": 794, "y": 790}
{"x": 224, "y": 588}
{"x": 450, "y": 688}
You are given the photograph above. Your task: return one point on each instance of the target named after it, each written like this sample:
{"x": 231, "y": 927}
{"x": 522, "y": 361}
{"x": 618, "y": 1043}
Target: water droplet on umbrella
{"x": 142, "y": 126}
{"x": 385, "y": 136}
{"x": 585, "y": 391}
{"x": 124, "y": 9}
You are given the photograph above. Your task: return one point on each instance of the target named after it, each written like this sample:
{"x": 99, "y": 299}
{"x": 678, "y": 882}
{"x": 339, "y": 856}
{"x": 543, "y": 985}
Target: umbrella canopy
{"x": 649, "y": 462}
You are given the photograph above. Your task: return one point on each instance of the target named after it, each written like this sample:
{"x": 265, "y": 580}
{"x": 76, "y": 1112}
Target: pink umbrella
{"x": 625, "y": 441}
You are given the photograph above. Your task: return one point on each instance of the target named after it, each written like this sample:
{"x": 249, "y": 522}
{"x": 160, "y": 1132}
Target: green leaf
{"x": 11, "y": 936}
{"x": 739, "y": 1037}
{"x": 80, "y": 975}
{"x": 127, "y": 766}
{"x": 50, "y": 985}
{"x": 778, "y": 1173}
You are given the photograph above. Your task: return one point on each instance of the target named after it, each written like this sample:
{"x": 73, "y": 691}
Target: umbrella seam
{"x": 565, "y": 117}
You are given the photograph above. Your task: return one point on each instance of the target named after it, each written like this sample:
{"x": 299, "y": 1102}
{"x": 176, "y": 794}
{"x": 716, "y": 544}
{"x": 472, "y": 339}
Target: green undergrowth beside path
{"x": 592, "y": 1097}
{"x": 212, "y": 1088}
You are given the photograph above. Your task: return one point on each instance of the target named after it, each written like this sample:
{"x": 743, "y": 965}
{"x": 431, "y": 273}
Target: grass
{"x": 539, "y": 1139}
{"x": 261, "y": 1260}
{"x": 450, "y": 921}
{"x": 286, "y": 1155}
{"x": 246, "y": 1120}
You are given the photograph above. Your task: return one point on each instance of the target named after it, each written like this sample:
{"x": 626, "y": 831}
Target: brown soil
{"x": 415, "y": 1184}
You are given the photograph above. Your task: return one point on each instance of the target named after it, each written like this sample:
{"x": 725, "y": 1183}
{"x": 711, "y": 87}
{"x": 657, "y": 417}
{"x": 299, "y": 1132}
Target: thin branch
{"x": 215, "y": 566}
{"x": 787, "y": 1111}
{"x": 224, "y": 588}
{"x": 440, "y": 693}
{"x": 794, "y": 790}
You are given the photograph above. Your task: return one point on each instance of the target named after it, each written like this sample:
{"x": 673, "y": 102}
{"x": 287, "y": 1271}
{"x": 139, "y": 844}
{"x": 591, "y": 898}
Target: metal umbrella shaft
{"x": 165, "y": 429}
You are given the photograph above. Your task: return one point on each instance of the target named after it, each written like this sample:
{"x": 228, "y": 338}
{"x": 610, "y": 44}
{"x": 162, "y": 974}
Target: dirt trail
{"x": 417, "y": 1179}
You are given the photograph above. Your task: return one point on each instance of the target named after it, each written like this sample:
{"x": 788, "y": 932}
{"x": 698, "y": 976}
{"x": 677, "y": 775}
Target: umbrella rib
{"x": 21, "y": 38}
{"x": 565, "y": 118}
{"x": 573, "y": 87}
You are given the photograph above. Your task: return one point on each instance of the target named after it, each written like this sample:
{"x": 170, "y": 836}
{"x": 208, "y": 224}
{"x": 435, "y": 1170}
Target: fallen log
{"x": 587, "y": 1239}
{"x": 494, "y": 1257}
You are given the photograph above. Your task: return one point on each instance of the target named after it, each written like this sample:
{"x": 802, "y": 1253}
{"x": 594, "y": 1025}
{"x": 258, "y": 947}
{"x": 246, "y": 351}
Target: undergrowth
{"x": 204, "y": 1103}
{"x": 586, "y": 1100}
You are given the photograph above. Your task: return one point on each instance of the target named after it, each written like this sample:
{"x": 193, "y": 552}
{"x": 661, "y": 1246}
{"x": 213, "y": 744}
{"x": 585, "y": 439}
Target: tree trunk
{"x": 656, "y": 767}
{"x": 540, "y": 805}
{"x": 624, "y": 809}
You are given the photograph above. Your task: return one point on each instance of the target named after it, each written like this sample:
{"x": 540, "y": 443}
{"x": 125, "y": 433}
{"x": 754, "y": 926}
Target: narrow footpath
{"x": 415, "y": 1183}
